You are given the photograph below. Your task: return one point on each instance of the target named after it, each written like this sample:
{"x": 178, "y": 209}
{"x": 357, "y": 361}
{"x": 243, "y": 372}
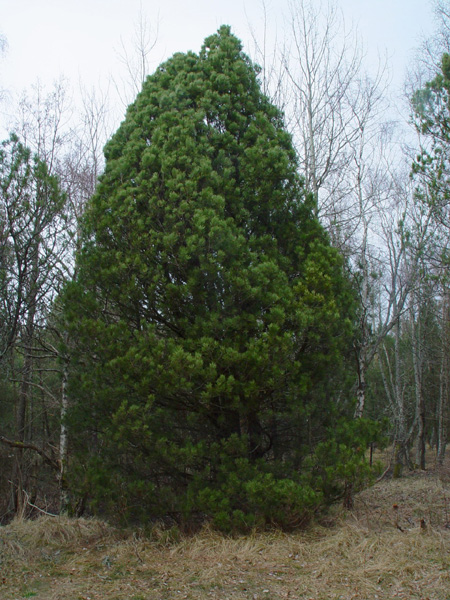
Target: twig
{"x": 383, "y": 475}
{"x": 136, "y": 551}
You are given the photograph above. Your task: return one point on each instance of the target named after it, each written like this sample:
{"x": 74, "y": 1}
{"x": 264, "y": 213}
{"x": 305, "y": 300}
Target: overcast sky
{"x": 80, "y": 38}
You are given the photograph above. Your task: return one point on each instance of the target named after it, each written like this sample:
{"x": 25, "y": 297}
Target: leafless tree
{"x": 3, "y": 47}
{"x": 267, "y": 53}
{"x": 135, "y": 57}
{"x": 69, "y": 145}
{"x": 331, "y": 98}
{"x": 32, "y": 208}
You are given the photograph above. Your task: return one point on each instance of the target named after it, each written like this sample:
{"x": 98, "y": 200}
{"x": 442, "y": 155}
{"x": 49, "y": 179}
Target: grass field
{"x": 395, "y": 543}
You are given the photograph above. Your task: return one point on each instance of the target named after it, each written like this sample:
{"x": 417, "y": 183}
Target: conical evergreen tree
{"x": 210, "y": 315}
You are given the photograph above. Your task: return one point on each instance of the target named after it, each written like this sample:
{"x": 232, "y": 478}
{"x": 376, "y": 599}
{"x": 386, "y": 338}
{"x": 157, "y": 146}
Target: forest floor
{"x": 394, "y": 543}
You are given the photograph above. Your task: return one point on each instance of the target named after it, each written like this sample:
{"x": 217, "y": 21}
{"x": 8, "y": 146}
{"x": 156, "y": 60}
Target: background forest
{"x": 221, "y": 314}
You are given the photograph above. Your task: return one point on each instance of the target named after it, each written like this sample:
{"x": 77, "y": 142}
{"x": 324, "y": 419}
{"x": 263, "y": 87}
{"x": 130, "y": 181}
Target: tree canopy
{"x": 431, "y": 106}
{"x": 210, "y": 317}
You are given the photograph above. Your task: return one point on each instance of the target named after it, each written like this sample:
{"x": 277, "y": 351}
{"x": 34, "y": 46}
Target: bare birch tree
{"x": 331, "y": 98}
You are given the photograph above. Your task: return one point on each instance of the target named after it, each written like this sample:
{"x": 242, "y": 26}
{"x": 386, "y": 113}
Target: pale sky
{"x": 80, "y": 38}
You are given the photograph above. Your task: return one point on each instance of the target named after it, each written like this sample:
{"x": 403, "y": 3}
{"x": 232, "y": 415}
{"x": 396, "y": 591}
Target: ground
{"x": 394, "y": 543}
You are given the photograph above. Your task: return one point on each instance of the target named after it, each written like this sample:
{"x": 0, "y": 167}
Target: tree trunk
{"x": 19, "y": 475}
{"x": 416, "y": 339}
{"x": 401, "y": 456}
{"x": 63, "y": 444}
{"x": 361, "y": 386}
{"x": 444, "y": 382}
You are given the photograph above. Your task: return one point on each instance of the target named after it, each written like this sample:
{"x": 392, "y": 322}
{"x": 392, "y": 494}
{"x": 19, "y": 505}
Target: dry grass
{"x": 373, "y": 552}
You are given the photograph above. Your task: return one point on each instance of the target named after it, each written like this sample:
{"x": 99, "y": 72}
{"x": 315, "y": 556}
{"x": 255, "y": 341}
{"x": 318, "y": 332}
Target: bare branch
{"x": 54, "y": 463}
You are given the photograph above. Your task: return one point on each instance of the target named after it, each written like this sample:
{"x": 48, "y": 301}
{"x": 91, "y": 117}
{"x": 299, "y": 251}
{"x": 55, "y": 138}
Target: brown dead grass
{"x": 373, "y": 552}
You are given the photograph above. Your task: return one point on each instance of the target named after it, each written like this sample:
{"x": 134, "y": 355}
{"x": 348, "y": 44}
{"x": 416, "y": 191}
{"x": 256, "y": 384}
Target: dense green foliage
{"x": 30, "y": 203}
{"x": 210, "y": 318}
{"x": 431, "y": 106}
{"x": 431, "y": 109}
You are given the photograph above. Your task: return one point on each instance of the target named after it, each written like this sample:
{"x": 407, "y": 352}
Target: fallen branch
{"x": 37, "y": 507}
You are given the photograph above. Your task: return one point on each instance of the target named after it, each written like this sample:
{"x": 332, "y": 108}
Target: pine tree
{"x": 431, "y": 107}
{"x": 431, "y": 112}
{"x": 210, "y": 316}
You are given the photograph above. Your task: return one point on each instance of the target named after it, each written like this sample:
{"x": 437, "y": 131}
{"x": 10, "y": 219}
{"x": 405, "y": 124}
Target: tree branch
{"x": 54, "y": 463}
